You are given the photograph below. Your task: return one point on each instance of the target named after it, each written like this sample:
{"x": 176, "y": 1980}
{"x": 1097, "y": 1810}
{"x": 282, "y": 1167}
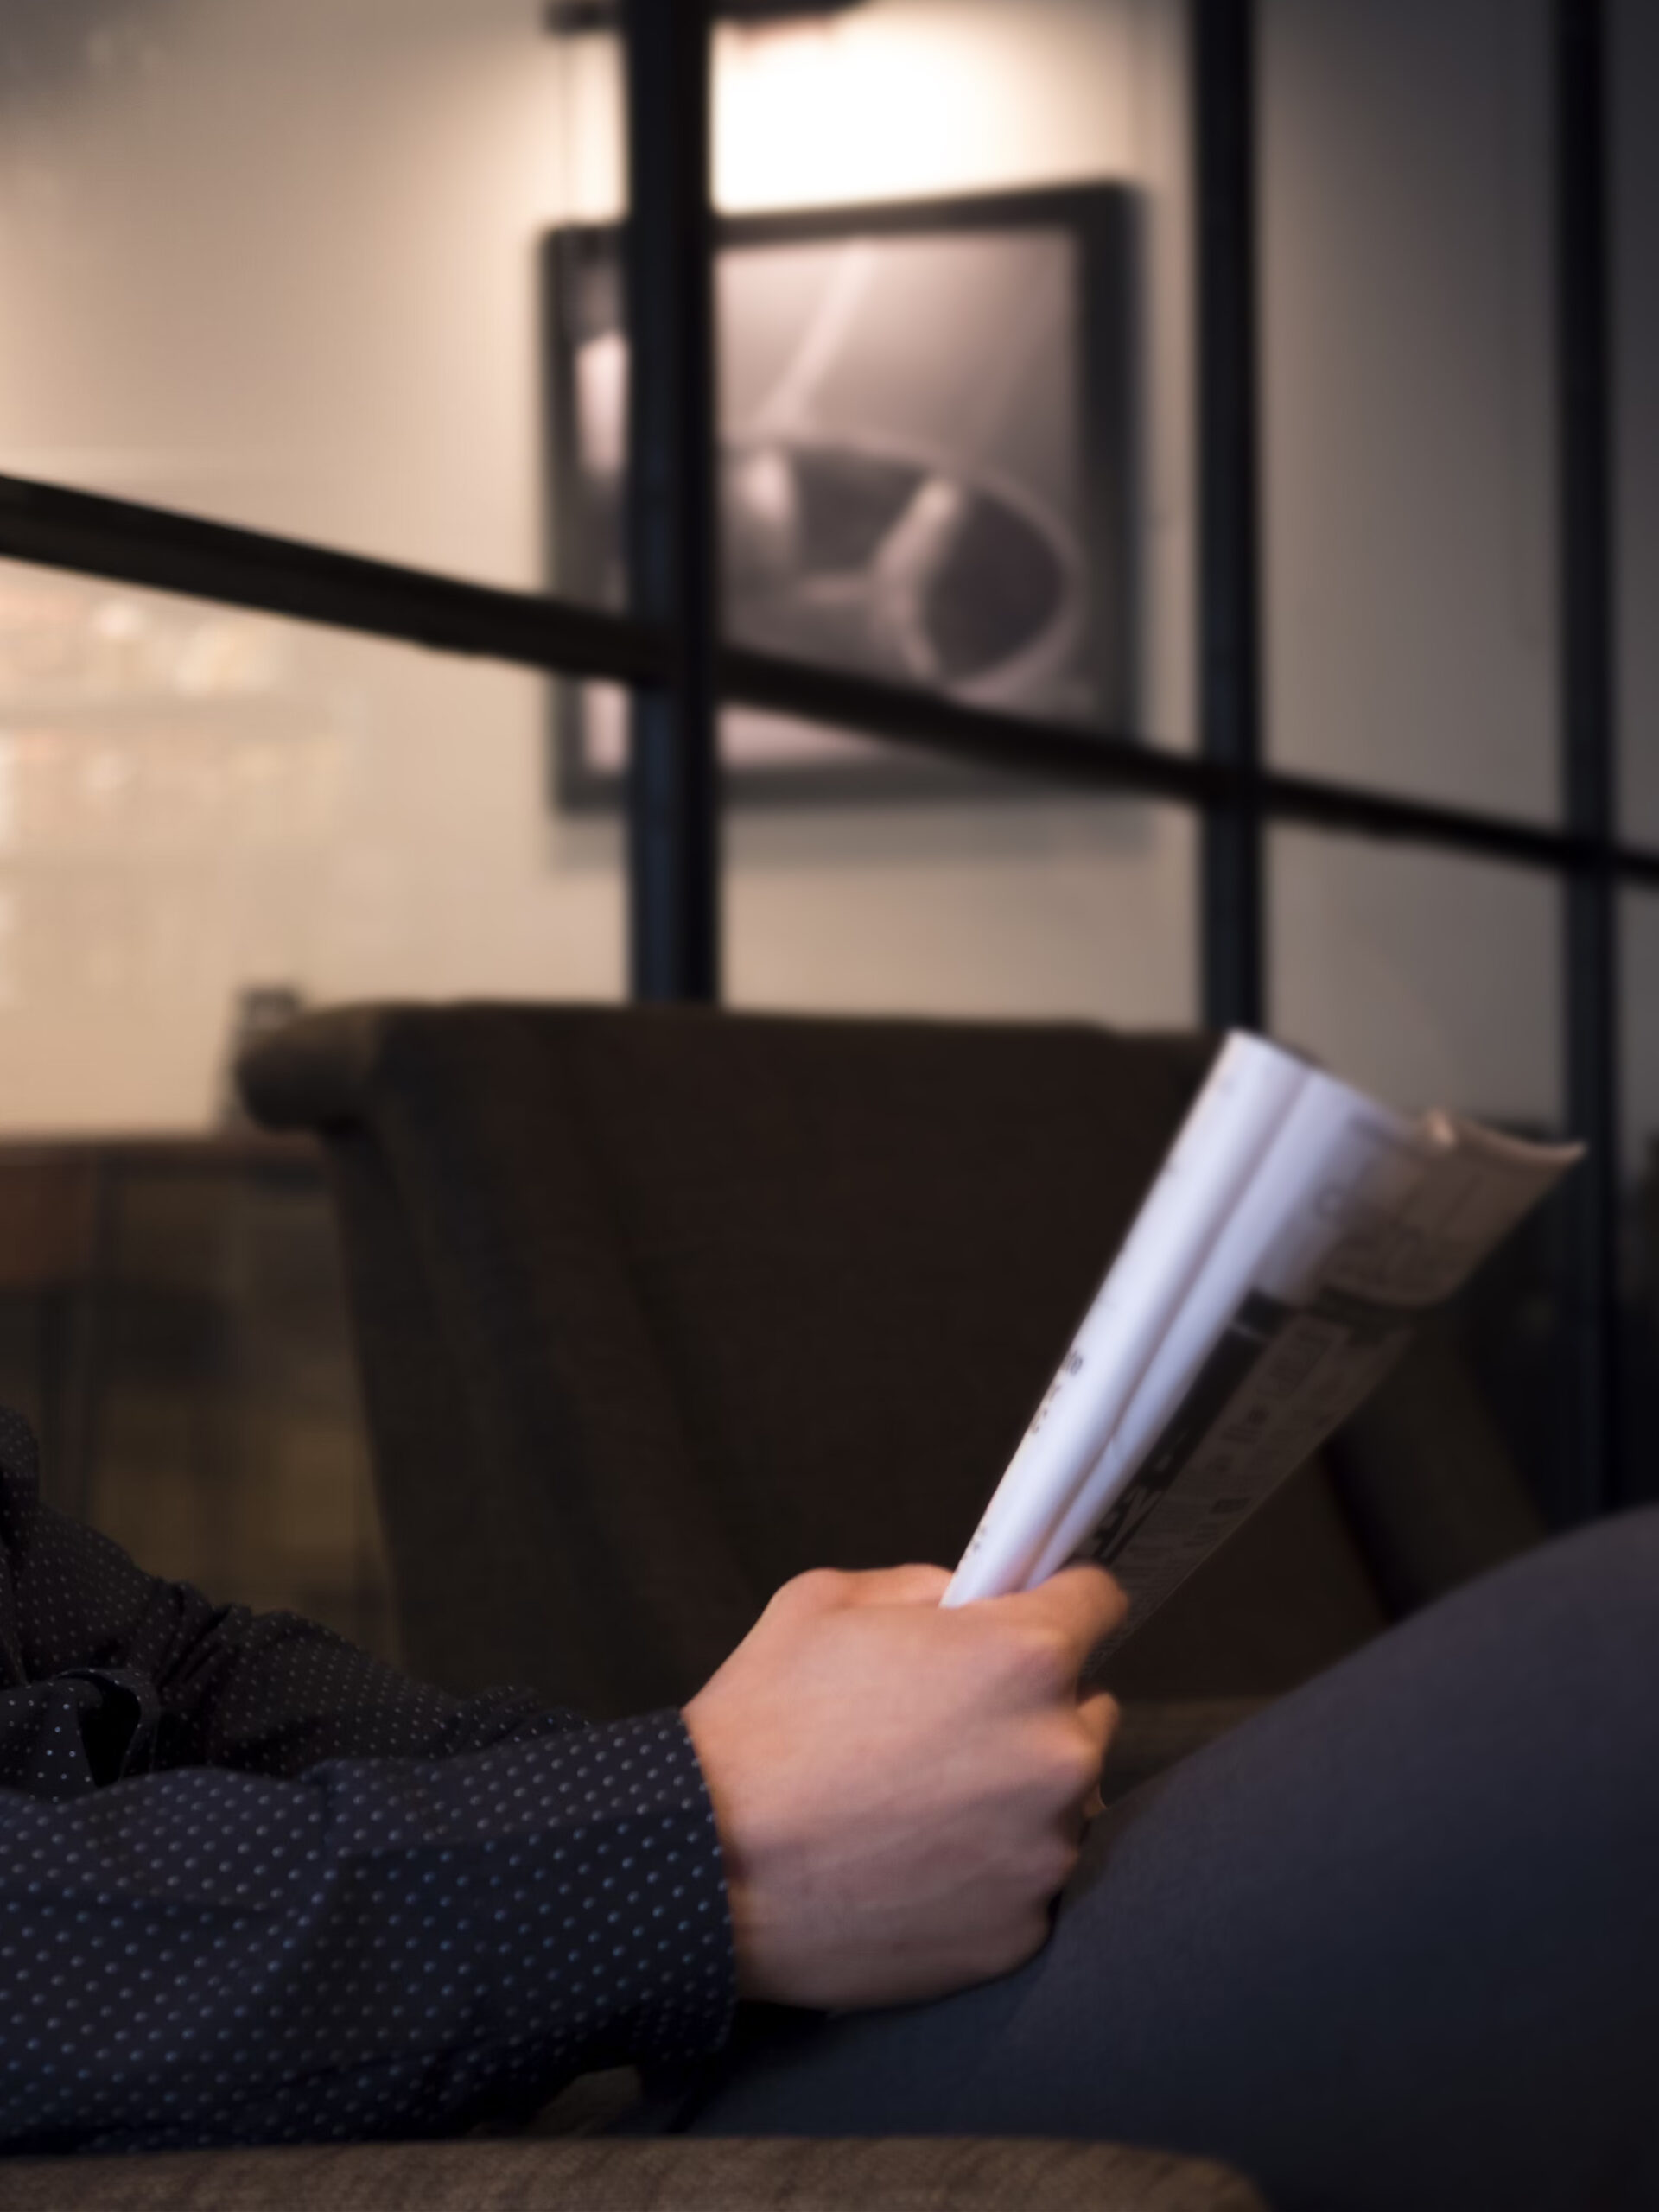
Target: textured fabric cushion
{"x": 671, "y": 2175}
{"x": 658, "y": 1307}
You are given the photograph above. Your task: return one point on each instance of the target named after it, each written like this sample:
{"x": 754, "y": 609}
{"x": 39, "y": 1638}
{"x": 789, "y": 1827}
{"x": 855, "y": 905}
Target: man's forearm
{"x": 381, "y": 1946}
{"x": 271, "y": 1694}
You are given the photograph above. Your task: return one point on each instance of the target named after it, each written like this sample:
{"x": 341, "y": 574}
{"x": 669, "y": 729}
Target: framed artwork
{"x": 924, "y": 435}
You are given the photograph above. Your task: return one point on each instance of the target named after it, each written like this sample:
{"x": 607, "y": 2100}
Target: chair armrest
{"x": 314, "y": 1069}
{"x": 667, "y": 2174}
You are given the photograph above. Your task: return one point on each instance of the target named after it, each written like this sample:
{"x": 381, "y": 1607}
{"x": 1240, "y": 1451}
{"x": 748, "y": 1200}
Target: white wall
{"x": 277, "y": 263}
{"x": 1409, "y": 401}
{"x": 1426, "y": 977}
{"x": 1409, "y": 495}
{"x": 1074, "y": 906}
{"x": 273, "y": 263}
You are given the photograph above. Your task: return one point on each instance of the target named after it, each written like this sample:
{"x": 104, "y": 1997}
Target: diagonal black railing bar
{"x": 133, "y": 544}
{"x": 977, "y": 737}
{"x": 1019, "y": 746}
{"x": 152, "y": 547}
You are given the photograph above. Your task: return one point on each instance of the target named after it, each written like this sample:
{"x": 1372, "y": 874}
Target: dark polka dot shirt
{"x": 256, "y": 1887}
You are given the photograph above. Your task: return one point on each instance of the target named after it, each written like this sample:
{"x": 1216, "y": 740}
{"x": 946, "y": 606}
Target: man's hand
{"x": 900, "y": 1790}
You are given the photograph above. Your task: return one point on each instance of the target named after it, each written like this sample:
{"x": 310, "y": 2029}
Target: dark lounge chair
{"x": 655, "y": 1308}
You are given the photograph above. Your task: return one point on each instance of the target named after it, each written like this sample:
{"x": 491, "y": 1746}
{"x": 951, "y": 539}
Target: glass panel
{"x": 1634, "y": 85}
{"x": 1032, "y": 907}
{"x": 1432, "y": 979}
{"x": 1639, "y": 1228}
{"x": 1409, "y": 476}
{"x": 207, "y": 1351}
{"x": 195, "y": 802}
{"x": 955, "y": 354}
{"x": 1436, "y": 980}
{"x": 282, "y": 265}
{"x": 206, "y": 817}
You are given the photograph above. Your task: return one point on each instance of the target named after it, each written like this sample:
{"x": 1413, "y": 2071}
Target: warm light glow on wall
{"x": 896, "y": 99}
{"x": 589, "y": 123}
{"x": 905, "y": 98}
{"x": 812, "y": 113}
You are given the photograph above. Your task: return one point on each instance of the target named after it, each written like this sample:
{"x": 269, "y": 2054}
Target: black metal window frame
{"x": 668, "y": 649}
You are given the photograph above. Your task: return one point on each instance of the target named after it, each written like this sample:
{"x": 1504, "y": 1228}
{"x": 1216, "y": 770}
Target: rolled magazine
{"x": 1295, "y": 1235}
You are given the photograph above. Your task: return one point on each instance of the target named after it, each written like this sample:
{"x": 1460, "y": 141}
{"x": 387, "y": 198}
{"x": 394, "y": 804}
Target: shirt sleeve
{"x": 391, "y": 1946}
{"x": 271, "y": 1694}
{"x": 314, "y": 1898}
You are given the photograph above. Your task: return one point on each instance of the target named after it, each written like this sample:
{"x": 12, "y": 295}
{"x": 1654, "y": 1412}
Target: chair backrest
{"x": 656, "y": 1307}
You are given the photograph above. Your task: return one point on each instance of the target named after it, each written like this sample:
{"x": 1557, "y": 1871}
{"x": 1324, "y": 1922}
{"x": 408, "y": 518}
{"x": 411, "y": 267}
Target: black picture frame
{"x": 860, "y": 421}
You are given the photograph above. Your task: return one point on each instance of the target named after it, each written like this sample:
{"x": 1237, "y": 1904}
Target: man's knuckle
{"x": 816, "y": 1591}
{"x": 1083, "y": 1770}
{"x": 1039, "y": 1861}
{"x": 1045, "y": 1654}
{"x": 1068, "y": 1763}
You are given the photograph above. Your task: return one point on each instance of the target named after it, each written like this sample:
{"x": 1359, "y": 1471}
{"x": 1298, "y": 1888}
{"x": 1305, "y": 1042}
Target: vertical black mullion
{"x": 1583, "y": 371}
{"x": 673, "y": 802}
{"x": 1229, "y": 650}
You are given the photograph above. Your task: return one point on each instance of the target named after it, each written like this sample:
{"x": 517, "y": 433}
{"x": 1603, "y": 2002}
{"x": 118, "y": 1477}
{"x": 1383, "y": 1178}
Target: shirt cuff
{"x": 670, "y": 1921}
{"x": 610, "y": 1936}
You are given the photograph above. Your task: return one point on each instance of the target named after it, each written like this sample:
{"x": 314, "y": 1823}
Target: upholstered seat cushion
{"x": 670, "y": 2174}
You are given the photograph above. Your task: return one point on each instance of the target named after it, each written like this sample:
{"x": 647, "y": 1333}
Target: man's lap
{"x": 1394, "y": 1942}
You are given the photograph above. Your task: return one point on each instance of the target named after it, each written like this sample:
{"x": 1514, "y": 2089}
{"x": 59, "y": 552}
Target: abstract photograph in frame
{"x": 925, "y": 442}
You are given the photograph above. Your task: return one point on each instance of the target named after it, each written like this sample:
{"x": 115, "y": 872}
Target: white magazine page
{"x": 1221, "y": 1145}
{"x": 1286, "y": 1375}
{"x": 1482, "y": 1183}
{"x": 1340, "y": 1165}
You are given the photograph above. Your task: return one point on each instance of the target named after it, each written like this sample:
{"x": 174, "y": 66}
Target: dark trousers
{"x": 1395, "y": 1942}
